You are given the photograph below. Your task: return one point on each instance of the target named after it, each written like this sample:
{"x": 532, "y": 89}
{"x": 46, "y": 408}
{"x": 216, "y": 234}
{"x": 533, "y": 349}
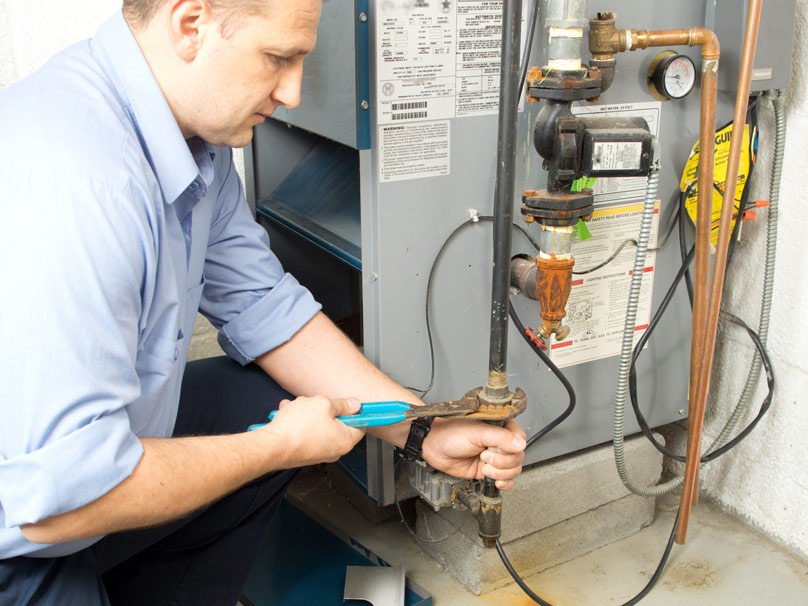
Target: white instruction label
{"x": 438, "y": 59}
{"x": 407, "y": 151}
{"x": 596, "y": 309}
{"x": 618, "y": 155}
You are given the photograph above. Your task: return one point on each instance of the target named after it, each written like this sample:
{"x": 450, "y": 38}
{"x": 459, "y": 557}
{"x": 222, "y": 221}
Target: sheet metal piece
{"x": 378, "y": 585}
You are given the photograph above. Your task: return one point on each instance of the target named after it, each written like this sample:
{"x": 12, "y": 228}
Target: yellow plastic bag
{"x": 690, "y": 177}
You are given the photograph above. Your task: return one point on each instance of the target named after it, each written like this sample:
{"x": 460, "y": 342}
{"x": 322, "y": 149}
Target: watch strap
{"x": 419, "y": 428}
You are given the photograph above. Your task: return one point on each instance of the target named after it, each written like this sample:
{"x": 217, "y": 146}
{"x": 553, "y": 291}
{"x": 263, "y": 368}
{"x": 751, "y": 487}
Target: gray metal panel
{"x": 405, "y": 223}
{"x": 328, "y": 101}
{"x": 411, "y": 220}
{"x": 775, "y": 38}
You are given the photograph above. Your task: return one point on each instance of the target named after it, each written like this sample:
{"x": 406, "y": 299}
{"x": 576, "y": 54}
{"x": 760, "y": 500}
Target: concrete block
{"x": 481, "y": 570}
{"x": 558, "y": 510}
{"x": 565, "y": 487}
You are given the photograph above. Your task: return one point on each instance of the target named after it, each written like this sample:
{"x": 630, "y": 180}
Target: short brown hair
{"x": 228, "y": 12}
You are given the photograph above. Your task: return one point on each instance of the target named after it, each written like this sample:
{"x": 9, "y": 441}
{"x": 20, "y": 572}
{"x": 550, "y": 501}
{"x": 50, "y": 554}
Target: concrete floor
{"x": 724, "y": 561}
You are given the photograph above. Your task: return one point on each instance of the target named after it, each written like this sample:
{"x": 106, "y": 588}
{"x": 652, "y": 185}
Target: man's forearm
{"x": 320, "y": 359}
{"x": 174, "y": 477}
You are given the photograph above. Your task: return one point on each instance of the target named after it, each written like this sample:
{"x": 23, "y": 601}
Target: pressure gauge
{"x": 671, "y": 76}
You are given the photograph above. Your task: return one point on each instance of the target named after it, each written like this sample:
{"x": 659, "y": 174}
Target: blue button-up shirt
{"x": 115, "y": 231}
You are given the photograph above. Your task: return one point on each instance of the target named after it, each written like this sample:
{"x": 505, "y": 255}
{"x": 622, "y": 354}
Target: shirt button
{"x": 176, "y": 354}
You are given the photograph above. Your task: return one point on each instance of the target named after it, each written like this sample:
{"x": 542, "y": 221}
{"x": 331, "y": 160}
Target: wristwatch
{"x": 415, "y": 440}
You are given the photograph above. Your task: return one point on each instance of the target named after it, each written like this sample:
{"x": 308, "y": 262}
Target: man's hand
{"x": 474, "y": 450}
{"x": 310, "y": 431}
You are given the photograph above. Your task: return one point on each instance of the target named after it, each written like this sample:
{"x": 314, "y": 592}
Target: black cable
{"x": 641, "y": 421}
{"x": 553, "y": 368}
{"x": 534, "y": 18}
{"x": 645, "y": 590}
{"x": 684, "y": 271}
{"x": 683, "y": 241}
{"x": 451, "y": 236}
{"x": 611, "y": 258}
{"x": 743, "y": 202}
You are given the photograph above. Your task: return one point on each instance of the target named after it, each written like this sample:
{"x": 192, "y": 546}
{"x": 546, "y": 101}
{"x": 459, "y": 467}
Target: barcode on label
{"x": 409, "y": 116}
{"x": 410, "y": 105}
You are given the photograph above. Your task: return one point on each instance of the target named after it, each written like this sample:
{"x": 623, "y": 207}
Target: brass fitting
{"x": 605, "y": 40}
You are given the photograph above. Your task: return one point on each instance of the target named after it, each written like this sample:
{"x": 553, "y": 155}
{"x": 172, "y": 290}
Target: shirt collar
{"x": 174, "y": 164}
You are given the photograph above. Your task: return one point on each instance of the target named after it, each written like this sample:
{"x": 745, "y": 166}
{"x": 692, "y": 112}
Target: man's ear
{"x": 189, "y": 21}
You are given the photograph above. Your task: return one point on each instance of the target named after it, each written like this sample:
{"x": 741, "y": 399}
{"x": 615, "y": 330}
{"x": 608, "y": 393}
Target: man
{"x": 125, "y": 216}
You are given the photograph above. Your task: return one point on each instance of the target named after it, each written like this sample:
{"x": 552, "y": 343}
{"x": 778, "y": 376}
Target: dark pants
{"x": 199, "y": 560}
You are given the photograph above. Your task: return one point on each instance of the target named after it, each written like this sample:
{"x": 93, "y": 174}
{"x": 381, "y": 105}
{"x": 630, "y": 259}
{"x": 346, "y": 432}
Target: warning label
{"x": 413, "y": 150}
{"x": 596, "y": 309}
{"x": 438, "y": 59}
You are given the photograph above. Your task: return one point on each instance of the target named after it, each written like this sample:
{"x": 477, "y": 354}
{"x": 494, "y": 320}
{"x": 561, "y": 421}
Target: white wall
{"x": 33, "y": 30}
{"x": 764, "y": 479}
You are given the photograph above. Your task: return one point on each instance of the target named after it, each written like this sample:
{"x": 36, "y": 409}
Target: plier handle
{"x": 371, "y": 414}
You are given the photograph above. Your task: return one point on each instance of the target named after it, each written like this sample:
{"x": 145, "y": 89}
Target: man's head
{"x": 224, "y": 65}
{"x": 229, "y": 13}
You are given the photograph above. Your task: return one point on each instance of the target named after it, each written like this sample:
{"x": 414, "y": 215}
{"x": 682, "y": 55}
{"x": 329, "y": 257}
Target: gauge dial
{"x": 671, "y": 75}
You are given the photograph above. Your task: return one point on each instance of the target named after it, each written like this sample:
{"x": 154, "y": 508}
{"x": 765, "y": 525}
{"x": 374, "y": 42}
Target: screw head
{"x": 363, "y": 17}
{"x": 364, "y": 104}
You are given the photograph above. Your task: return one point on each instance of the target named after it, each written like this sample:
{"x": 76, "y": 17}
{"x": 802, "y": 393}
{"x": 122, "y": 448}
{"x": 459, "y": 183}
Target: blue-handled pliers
{"x": 375, "y": 414}
{"x": 371, "y": 414}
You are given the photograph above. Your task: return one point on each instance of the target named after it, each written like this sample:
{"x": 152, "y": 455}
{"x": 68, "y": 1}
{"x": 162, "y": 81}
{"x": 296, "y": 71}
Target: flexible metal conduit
{"x": 627, "y": 346}
{"x": 768, "y": 276}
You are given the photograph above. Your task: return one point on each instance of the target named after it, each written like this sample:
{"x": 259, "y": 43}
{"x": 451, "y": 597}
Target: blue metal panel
{"x": 301, "y": 564}
{"x": 362, "y": 76}
{"x": 319, "y": 199}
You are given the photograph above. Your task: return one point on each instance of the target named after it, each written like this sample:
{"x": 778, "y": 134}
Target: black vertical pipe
{"x": 503, "y": 192}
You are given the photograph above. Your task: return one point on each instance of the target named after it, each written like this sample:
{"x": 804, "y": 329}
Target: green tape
{"x": 583, "y": 231}
{"x": 582, "y": 183}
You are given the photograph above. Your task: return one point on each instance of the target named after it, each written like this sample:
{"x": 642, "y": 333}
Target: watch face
{"x": 679, "y": 77}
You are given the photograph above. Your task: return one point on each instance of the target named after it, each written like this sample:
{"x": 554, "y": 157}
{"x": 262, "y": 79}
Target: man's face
{"x": 258, "y": 67}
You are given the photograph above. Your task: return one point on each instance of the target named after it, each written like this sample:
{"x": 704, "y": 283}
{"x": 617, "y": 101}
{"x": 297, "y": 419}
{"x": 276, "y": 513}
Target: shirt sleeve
{"x": 247, "y": 295}
{"x": 74, "y": 263}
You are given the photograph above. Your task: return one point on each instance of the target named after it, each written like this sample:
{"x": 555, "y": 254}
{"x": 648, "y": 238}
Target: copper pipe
{"x": 701, "y": 271}
{"x": 710, "y": 51}
{"x": 705, "y": 360}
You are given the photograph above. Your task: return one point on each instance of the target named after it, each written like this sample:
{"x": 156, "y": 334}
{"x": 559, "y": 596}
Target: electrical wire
{"x": 725, "y": 445}
{"x": 644, "y": 592}
{"x": 644, "y": 427}
{"x": 553, "y": 368}
{"x": 534, "y": 19}
{"x": 429, "y": 285}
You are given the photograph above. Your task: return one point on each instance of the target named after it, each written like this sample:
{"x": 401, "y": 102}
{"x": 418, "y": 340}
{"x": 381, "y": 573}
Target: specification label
{"x": 596, "y": 309}
{"x": 437, "y": 59}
